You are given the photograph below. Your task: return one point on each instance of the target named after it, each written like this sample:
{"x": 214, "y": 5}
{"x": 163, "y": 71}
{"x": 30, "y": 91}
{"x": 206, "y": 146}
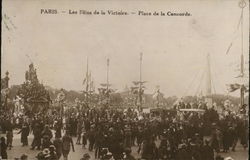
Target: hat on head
{"x": 24, "y": 157}
{"x": 46, "y": 151}
{"x": 86, "y": 155}
{"x": 52, "y": 147}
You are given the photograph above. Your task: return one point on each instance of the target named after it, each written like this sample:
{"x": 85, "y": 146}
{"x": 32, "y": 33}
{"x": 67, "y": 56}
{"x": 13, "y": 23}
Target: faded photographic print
{"x": 124, "y": 80}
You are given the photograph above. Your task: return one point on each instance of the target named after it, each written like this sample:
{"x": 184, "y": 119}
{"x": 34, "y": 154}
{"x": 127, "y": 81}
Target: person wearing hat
{"x": 58, "y": 128}
{"x": 91, "y": 137}
{"x": 86, "y": 156}
{"x": 24, "y": 133}
{"x": 215, "y": 140}
{"x": 47, "y": 132}
{"x": 148, "y": 149}
{"x": 46, "y": 142}
{"x": 197, "y": 139}
{"x": 37, "y": 137}
{"x": 67, "y": 141}
{"x": 46, "y": 135}
{"x": 52, "y": 153}
{"x": 79, "y": 131}
{"x": 24, "y": 157}
{"x": 44, "y": 155}
{"x": 207, "y": 151}
{"x": 40, "y": 156}
{"x": 84, "y": 138}
{"x": 9, "y": 136}
{"x": 58, "y": 145}
{"x": 3, "y": 148}
{"x": 107, "y": 156}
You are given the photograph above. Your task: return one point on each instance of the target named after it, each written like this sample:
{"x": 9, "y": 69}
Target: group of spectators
{"x": 111, "y": 133}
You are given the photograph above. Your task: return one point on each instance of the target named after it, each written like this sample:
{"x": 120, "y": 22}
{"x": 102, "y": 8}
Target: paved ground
{"x": 17, "y": 150}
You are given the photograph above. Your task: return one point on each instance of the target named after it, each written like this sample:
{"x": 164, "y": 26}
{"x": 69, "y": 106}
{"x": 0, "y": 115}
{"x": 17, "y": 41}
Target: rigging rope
{"x": 212, "y": 81}
{"x": 240, "y": 21}
{"x": 198, "y": 89}
{"x": 191, "y": 84}
{"x": 216, "y": 75}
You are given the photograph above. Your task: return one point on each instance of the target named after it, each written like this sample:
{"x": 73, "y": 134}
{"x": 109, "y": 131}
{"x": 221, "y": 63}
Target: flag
{"x": 141, "y": 56}
{"x": 135, "y": 92}
{"x": 89, "y": 76}
{"x": 92, "y": 86}
{"x": 105, "y": 84}
{"x": 228, "y": 49}
{"x": 108, "y": 61}
{"x": 136, "y": 83}
{"x": 233, "y": 87}
{"x": 87, "y": 87}
{"x": 133, "y": 89}
{"x": 84, "y": 81}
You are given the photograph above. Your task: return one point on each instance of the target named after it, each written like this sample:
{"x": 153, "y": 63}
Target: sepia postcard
{"x": 124, "y": 80}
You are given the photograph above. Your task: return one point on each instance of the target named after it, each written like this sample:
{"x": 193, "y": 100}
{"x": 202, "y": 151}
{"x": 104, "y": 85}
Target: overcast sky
{"x": 174, "y": 48}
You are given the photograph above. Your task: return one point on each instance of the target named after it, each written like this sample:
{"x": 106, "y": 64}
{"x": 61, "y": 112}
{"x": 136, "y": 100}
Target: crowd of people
{"x": 112, "y": 133}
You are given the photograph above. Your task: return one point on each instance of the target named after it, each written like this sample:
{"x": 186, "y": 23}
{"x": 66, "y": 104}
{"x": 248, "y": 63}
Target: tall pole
{"x": 108, "y": 81}
{"x": 87, "y": 82}
{"x": 208, "y": 83}
{"x": 140, "y": 89}
{"x": 242, "y": 5}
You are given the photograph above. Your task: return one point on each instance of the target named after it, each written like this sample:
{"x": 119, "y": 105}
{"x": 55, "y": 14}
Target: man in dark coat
{"x": 58, "y": 129}
{"x": 226, "y": 139}
{"x": 37, "y": 137}
{"x": 91, "y": 137}
{"x": 67, "y": 141}
{"x": 59, "y": 146}
{"x": 148, "y": 149}
{"x": 182, "y": 153}
{"x": 3, "y": 148}
{"x": 207, "y": 152}
{"x": 24, "y": 134}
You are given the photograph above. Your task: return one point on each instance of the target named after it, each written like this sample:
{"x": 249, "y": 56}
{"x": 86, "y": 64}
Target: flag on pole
{"x": 141, "y": 56}
{"x": 233, "y": 87}
{"x": 84, "y": 81}
{"x": 105, "y": 84}
{"x": 228, "y": 49}
{"x": 108, "y": 61}
{"x": 89, "y": 76}
{"x": 92, "y": 85}
{"x": 136, "y": 82}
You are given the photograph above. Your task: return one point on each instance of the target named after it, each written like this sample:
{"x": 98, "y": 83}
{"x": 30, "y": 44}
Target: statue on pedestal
{"x": 34, "y": 94}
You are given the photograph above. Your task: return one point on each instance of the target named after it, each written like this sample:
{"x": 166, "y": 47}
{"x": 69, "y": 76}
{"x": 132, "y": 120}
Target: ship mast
{"x": 242, "y": 5}
{"x": 87, "y": 83}
{"x": 107, "y": 82}
{"x": 140, "y": 83}
{"x": 208, "y": 83}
